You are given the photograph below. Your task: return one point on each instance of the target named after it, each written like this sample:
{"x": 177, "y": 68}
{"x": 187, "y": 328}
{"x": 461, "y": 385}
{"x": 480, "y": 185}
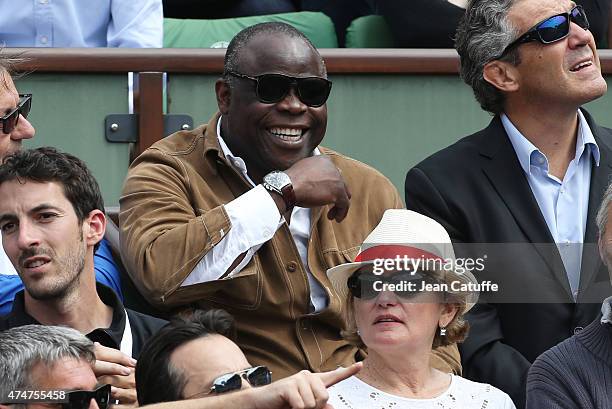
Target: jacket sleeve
{"x": 485, "y": 357}
{"x": 162, "y": 236}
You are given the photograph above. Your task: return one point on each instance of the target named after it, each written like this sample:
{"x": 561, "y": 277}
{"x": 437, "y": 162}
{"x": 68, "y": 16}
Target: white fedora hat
{"x": 404, "y": 233}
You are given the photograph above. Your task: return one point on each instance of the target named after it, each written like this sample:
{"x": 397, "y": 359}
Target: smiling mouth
{"x": 291, "y": 135}
{"x": 581, "y": 66}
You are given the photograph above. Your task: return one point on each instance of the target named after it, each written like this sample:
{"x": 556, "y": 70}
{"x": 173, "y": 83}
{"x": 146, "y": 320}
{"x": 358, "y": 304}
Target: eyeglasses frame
{"x": 23, "y": 100}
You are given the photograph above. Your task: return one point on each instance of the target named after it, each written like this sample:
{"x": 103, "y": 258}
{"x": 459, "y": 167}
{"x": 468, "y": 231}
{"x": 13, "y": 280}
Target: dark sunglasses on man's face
{"x": 367, "y": 285}
{"x": 272, "y": 88}
{"x": 552, "y": 29}
{"x": 256, "y": 376}
{"x": 82, "y": 399}
{"x": 10, "y": 120}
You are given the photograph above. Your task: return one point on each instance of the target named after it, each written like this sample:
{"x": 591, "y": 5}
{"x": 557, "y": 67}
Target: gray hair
{"x": 8, "y": 64}
{"x": 482, "y": 35}
{"x": 23, "y": 347}
{"x": 604, "y": 210}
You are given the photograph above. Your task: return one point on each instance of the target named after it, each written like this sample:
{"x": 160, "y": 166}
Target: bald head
{"x": 235, "y": 50}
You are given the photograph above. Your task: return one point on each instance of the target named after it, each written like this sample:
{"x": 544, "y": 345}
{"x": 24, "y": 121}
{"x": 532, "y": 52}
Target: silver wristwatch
{"x": 279, "y": 182}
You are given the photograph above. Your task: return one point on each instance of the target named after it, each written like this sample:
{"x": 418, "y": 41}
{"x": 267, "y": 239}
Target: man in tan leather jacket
{"x": 246, "y": 213}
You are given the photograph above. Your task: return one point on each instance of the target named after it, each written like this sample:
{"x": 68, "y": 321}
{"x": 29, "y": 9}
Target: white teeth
{"x": 35, "y": 264}
{"x": 284, "y": 133}
{"x": 581, "y": 65}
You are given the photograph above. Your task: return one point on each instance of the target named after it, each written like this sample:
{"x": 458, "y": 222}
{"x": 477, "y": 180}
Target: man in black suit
{"x": 527, "y": 186}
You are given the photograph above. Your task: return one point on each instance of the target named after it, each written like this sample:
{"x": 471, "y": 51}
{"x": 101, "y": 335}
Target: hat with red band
{"x": 406, "y": 236}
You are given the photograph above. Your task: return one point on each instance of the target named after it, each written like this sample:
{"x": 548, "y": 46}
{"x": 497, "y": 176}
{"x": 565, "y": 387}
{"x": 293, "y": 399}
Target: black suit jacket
{"x": 477, "y": 190}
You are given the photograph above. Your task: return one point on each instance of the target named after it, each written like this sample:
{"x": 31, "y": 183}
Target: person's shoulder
{"x": 554, "y": 367}
{"x": 480, "y": 391}
{"x": 179, "y": 143}
{"x": 566, "y": 356}
{"x": 182, "y": 151}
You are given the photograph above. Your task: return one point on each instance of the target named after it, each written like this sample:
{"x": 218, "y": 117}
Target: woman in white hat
{"x": 406, "y": 294}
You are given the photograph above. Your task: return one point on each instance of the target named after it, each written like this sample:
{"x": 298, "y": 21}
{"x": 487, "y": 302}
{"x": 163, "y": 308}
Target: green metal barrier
{"x": 68, "y": 113}
{"x": 390, "y": 116}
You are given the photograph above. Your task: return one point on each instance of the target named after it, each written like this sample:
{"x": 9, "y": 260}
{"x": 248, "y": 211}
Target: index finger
{"x": 112, "y": 355}
{"x": 332, "y": 377}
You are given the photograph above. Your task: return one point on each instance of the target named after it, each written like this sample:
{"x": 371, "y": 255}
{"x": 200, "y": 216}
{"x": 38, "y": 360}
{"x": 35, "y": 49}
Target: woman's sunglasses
{"x": 10, "y": 120}
{"x": 367, "y": 286}
{"x": 552, "y": 29}
{"x": 272, "y": 88}
{"x": 82, "y": 399}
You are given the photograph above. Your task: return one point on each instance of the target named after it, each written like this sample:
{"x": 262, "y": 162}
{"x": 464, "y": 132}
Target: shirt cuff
{"x": 257, "y": 214}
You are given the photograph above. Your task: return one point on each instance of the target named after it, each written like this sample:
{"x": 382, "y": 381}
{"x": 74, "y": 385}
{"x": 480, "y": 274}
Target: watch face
{"x": 277, "y": 179}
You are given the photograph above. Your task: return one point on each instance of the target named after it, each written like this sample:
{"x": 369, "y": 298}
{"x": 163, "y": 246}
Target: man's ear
{"x": 94, "y": 227}
{"x": 223, "y": 92}
{"x": 501, "y": 75}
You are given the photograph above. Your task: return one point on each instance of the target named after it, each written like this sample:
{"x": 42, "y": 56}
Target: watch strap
{"x": 288, "y": 195}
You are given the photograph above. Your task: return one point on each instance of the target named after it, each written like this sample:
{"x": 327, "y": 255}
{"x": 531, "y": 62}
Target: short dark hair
{"x": 156, "y": 379}
{"x": 47, "y": 164}
{"x": 241, "y": 40}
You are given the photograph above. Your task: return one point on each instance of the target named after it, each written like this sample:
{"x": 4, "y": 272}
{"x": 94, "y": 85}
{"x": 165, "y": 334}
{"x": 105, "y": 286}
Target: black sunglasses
{"x": 10, "y": 120}
{"x": 367, "y": 285}
{"x": 272, "y": 88}
{"x": 552, "y": 29}
{"x": 81, "y": 399}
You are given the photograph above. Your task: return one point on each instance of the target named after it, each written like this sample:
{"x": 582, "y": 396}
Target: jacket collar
{"x": 109, "y": 337}
{"x": 213, "y": 154}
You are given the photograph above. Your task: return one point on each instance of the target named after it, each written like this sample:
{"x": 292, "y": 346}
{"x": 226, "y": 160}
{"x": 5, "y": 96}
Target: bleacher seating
{"x": 369, "y": 32}
{"x": 188, "y": 33}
